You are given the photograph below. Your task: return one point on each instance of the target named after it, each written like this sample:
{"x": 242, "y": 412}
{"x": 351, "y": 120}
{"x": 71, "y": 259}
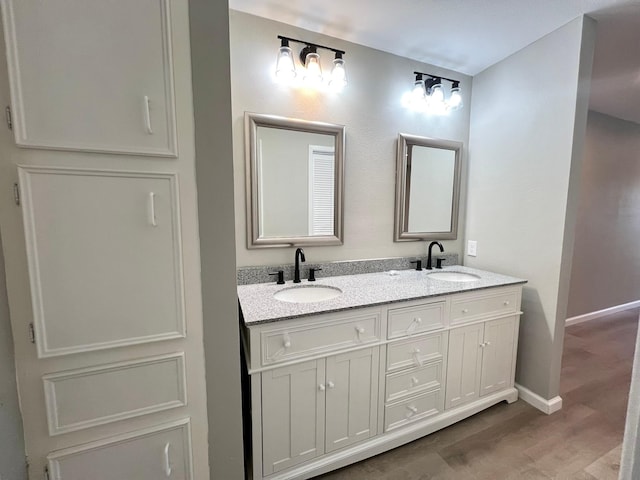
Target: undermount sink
{"x": 307, "y": 294}
{"x": 453, "y": 276}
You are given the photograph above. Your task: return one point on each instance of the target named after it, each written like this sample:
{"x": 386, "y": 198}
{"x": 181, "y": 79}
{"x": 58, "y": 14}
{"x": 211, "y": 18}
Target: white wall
{"x": 12, "y": 460}
{"x": 528, "y": 119}
{"x": 209, "y": 25}
{"x": 370, "y": 108}
{"x": 606, "y": 258}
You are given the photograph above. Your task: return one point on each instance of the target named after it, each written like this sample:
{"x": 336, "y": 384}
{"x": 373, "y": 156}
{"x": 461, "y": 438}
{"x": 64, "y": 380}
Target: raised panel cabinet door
{"x": 293, "y": 405}
{"x": 498, "y": 355}
{"x": 104, "y": 257}
{"x": 463, "y": 365}
{"x": 159, "y": 452}
{"x": 352, "y": 397}
{"x": 112, "y": 91}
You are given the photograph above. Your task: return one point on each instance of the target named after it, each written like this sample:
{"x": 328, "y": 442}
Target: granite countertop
{"x": 259, "y": 306}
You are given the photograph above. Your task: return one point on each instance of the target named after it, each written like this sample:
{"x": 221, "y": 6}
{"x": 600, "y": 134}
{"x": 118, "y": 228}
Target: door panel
{"x": 497, "y": 356}
{"x": 352, "y": 393}
{"x": 104, "y": 258}
{"x": 463, "y": 366}
{"x": 292, "y": 415}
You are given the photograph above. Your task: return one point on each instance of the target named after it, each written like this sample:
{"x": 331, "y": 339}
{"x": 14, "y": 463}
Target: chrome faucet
{"x": 299, "y": 258}
{"x": 428, "y": 267}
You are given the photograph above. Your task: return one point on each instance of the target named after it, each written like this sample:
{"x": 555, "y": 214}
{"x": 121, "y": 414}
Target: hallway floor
{"x": 581, "y": 441}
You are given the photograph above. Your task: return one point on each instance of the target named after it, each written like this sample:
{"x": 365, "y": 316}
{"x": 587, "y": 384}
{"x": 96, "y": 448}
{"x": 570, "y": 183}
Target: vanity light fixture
{"x": 428, "y": 95}
{"x": 311, "y": 66}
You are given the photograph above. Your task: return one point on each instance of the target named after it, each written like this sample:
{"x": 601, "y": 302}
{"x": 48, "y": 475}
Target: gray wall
{"x": 12, "y": 461}
{"x": 528, "y": 121}
{"x": 214, "y": 168}
{"x": 606, "y": 259}
{"x": 371, "y": 110}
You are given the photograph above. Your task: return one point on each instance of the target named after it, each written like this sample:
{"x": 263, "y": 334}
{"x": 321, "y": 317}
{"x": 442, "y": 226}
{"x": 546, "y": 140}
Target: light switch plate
{"x": 472, "y": 248}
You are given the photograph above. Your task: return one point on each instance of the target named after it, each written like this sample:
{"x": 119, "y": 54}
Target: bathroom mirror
{"x": 427, "y": 188}
{"x": 294, "y": 181}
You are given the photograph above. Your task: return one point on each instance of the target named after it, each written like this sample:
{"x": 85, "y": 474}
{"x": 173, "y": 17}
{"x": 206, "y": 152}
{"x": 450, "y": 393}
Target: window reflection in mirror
{"x": 294, "y": 181}
{"x": 427, "y": 188}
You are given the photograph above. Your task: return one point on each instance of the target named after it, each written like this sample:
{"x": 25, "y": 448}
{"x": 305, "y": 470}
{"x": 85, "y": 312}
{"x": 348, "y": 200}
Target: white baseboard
{"x": 535, "y": 400}
{"x": 601, "y": 313}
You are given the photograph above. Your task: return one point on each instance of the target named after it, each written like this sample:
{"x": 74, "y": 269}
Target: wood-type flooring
{"x": 582, "y": 441}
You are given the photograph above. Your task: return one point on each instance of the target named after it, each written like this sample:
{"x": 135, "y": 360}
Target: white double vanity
{"x": 392, "y": 357}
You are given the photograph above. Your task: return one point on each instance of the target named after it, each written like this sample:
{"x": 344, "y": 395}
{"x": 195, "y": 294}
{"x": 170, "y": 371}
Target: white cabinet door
{"x": 111, "y": 91}
{"x": 104, "y": 258}
{"x": 293, "y": 403}
{"x": 498, "y": 355}
{"x": 463, "y": 365}
{"x": 161, "y": 452}
{"x": 351, "y": 401}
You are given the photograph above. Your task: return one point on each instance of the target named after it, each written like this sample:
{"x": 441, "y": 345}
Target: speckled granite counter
{"x": 259, "y": 306}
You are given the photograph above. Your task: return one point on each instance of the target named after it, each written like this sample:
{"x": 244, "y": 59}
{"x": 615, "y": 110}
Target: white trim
{"x": 535, "y": 400}
{"x": 601, "y": 313}
{"x": 50, "y": 381}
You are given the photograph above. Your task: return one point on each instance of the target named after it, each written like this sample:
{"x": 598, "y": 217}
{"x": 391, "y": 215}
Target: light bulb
{"x": 437, "y": 94}
{"x": 285, "y": 68}
{"x": 455, "y": 99}
{"x": 418, "y": 91}
{"x": 313, "y": 75}
{"x": 338, "y": 75}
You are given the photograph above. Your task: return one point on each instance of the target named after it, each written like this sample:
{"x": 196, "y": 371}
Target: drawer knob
{"x": 412, "y": 411}
{"x": 417, "y": 350}
{"x": 418, "y": 320}
{"x": 330, "y": 384}
{"x": 321, "y": 387}
{"x": 414, "y": 381}
{"x": 360, "y": 330}
{"x": 465, "y": 310}
{"x": 286, "y": 341}
{"x": 506, "y": 302}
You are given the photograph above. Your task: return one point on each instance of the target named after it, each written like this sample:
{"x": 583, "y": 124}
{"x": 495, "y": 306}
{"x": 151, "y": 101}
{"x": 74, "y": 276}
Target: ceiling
{"x": 468, "y": 36}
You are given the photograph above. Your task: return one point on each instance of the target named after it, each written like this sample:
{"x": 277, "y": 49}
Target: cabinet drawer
{"x": 316, "y": 338}
{"x": 413, "y": 409}
{"x": 411, "y": 320}
{"x": 468, "y": 308}
{"x": 413, "y": 381}
{"x": 163, "y": 452}
{"x": 415, "y": 352}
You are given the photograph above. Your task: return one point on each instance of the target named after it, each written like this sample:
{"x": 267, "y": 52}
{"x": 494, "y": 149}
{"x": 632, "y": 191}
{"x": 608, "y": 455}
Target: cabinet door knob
{"x": 465, "y": 310}
{"x": 286, "y": 341}
{"x": 418, "y": 320}
{"x": 321, "y": 387}
{"x": 330, "y": 384}
{"x": 486, "y": 344}
{"x": 414, "y": 381}
{"x": 416, "y": 350}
